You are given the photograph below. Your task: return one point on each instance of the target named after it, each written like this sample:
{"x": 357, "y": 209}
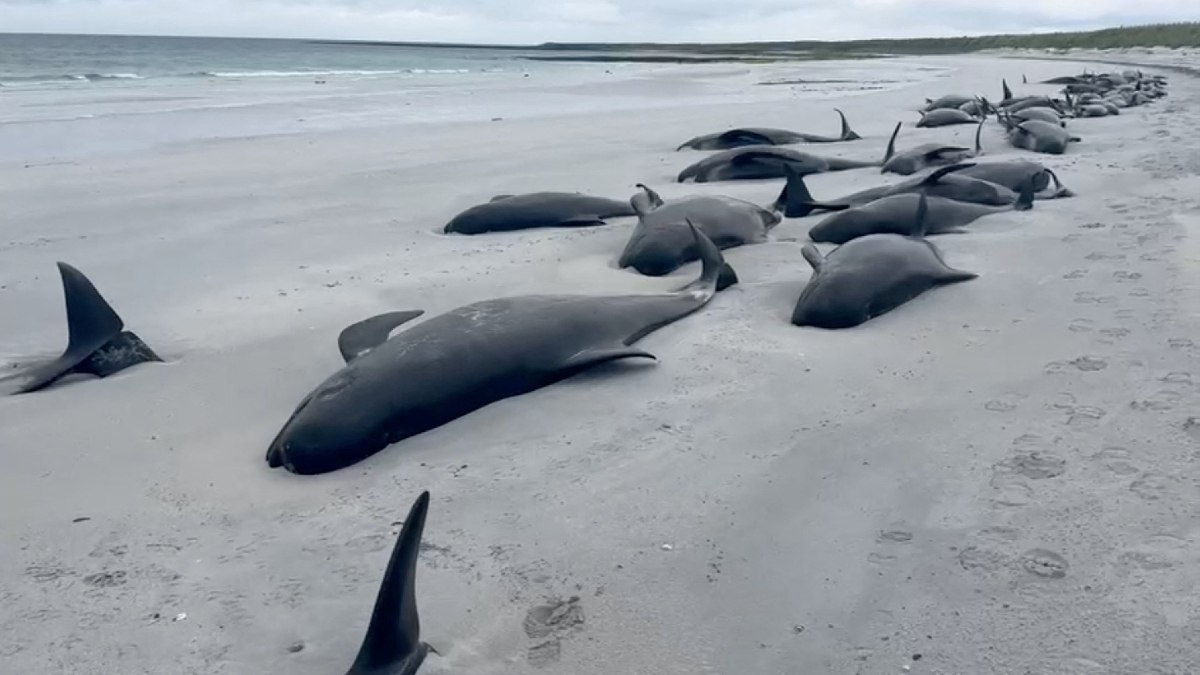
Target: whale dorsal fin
{"x": 813, "y": 256}
{"x": 500, "y": 197}
{"x": 360, "y": 338}
{"x": 394, "y": 634}
{"x": 847, "y": 133}
{"x": 919, "y": 222}
{"x": 91, "y": 323}
{"x": 1007, "y": 92}
{"x": 891, "y": 146}
{"x": 941, "y": 173}
{"x": 645, "y": 201}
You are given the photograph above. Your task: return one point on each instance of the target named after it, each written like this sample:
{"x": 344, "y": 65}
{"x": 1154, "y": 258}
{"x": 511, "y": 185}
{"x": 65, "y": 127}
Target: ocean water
{"x": 47, "y": 60}
{"x": 66, "y": 96}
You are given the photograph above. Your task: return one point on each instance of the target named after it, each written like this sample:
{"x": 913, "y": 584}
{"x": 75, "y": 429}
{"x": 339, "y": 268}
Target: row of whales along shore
{"x": 460, "y": 361}
{"x": 402, "y": 380}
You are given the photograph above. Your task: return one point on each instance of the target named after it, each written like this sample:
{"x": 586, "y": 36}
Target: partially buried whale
{"x": 662, "y": 240}
{"x": 901, "y": 214}
{"x": 763, "y": 161}
{"x": 536, "y": 209}
{"x": 97, "y": 342}
{"x": 736, "y": 138}
{"x": 870, "y": 276}
{"x": 392, "y": 645}
{"x": 460, "y": 361}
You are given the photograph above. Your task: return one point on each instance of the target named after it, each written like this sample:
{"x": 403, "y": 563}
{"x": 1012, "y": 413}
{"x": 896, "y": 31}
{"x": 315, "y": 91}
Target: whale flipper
{"x": 95, "y": 341}
{"x": 360, "y": 338}
{"x": 393, "y": 641}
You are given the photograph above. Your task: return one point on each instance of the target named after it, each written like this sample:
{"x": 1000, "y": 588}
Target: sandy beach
{"x": 999, "y": 477}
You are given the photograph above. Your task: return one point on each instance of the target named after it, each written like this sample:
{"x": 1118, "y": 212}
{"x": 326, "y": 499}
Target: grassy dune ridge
{"x": 1184, "y": 34}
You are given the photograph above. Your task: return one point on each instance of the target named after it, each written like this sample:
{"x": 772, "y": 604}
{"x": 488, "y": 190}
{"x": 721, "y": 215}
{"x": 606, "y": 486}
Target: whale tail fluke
{"x": 96, "y": 342}
{"x": 715, "y": 273}
{"x": 795, "y": 201}
{"x": 393, "y": 641}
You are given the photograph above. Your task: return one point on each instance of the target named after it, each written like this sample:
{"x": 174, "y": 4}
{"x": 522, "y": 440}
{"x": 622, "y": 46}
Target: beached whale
{"x": 1039, "y": 113}
{"x": 763, "y": 161}
{"x": 97, "y": 342}
{"x": 662, "y": 240}
{"x": 1013, "y": 174}
{"x": 908, "y": 162}
{"x": 736, "y": 138}
{"x": 949, "y": 101}
{"x": 944, "y": 117}
{"x": 870, "y": 276}
{"x": 460, "y": 361}
{"x": 901, "y": 214}
{"x": 798, "y": 201}
{"x": 1038, "y": 136}
{"x": 537, "y": 209}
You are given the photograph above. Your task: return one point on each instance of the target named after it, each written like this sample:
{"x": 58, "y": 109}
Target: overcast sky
{"x": 533, "y": 21}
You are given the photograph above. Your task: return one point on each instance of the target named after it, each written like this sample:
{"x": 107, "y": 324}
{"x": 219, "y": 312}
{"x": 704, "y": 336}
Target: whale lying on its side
{"x": 460, "y": 361}
{"x": 736, "y": 138}
{"x": 662, "y": 240}
{"x": 870, "y": 276}
{"x": 505, "y": 213}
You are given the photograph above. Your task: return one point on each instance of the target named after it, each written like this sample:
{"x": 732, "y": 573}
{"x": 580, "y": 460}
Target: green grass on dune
{"x": 1157, "y": 35}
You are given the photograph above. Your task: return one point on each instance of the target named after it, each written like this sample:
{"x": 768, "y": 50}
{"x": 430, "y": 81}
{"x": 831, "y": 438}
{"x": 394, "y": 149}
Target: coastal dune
{"x": 998, "y": 477}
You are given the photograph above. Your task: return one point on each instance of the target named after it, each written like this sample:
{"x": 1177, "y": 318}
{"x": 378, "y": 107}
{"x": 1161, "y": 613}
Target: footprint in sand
{"x": 546, "y": 625}
{"x": 1116, "y": 460}
{"x": 1150, "y": 486}
{"x": 1038, "y": 465}
{"x": 1084, "y": 414}
{"x": 1044, "y": 563}
{"x": 106, "y": 579}
{"x": 1160, "y": 402}
{"x": 1080, "y": 325}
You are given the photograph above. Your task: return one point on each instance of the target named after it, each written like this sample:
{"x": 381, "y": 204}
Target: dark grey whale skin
{"x": 662, "y": 242}
{"x": 467, "y": 358}
{"x": 97, "y": 342}
{"x": 506, "y": 213}
{"x": 743, "y": 136}
{"x": 870, "y": 276}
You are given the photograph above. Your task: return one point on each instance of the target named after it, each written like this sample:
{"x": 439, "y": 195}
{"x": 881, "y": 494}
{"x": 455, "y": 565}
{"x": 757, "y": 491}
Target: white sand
{"x": 834, "y": 502}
